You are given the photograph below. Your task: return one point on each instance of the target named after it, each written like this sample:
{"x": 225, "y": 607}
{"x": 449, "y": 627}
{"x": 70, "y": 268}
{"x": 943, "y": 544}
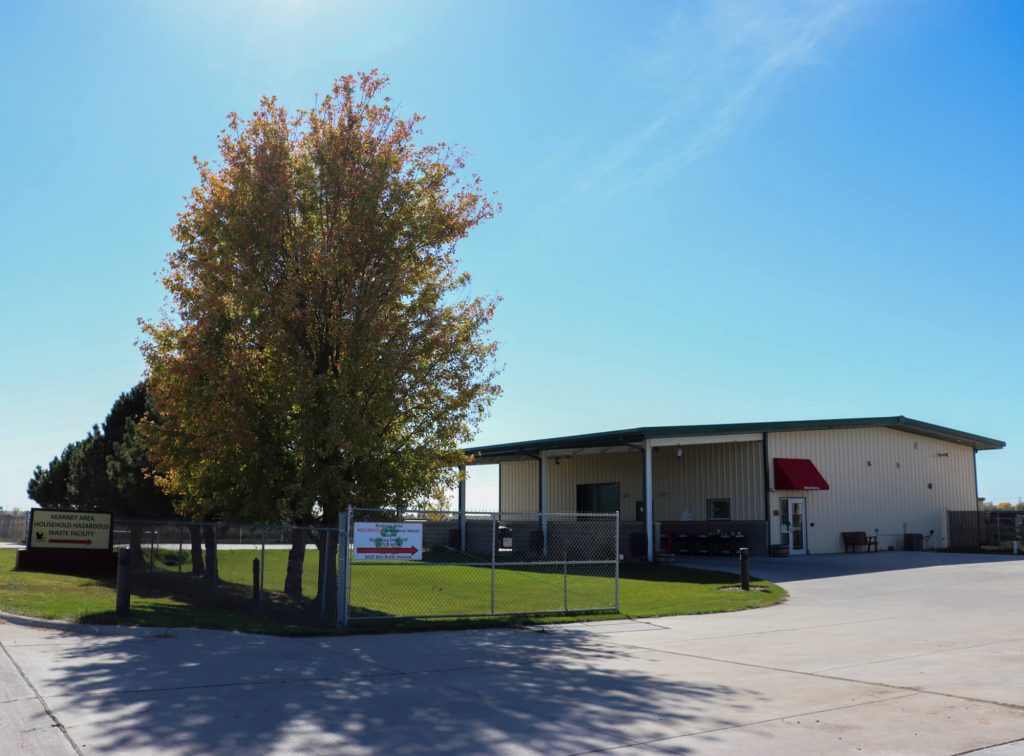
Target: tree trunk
{"x": 210, "y": 536}
{"x": 296, "y": 557}
{"x": 197, "y": 550}
{"x": 328, "y": 562}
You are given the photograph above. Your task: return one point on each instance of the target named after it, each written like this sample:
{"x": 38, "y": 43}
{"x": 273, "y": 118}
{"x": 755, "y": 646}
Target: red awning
{"x": 798, "y": 475}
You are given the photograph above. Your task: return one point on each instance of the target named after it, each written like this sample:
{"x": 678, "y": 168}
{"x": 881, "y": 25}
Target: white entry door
{"x": 792, "y": 519}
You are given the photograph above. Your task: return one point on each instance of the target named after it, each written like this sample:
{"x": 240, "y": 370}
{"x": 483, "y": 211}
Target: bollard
{"x": 255, "y": 579}
{"x": 745, "y": 569}
{"x": 124, "y": 566}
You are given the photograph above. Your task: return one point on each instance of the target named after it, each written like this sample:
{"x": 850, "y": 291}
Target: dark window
{"x": 718, "y": 509}
{"x": 597, "y": 497}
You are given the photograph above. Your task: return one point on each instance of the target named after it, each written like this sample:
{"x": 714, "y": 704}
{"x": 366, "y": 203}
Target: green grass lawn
{"x": 92, "y": 601}
{"x": 382, "y": 589}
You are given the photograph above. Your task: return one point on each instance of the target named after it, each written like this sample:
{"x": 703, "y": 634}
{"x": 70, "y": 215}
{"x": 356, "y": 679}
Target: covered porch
{"x": 675, "y": 494}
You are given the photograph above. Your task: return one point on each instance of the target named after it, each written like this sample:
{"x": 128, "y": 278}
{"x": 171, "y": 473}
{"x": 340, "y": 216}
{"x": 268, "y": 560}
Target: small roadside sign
{"x": 388, "y": 540}
{"x": 63, "y": 529}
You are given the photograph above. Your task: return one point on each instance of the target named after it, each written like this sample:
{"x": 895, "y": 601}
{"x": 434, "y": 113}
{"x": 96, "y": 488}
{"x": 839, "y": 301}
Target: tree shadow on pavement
{"x": 193, "y": 691}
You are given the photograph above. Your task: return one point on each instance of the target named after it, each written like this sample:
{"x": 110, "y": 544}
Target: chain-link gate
{"x": 431, "y": 565}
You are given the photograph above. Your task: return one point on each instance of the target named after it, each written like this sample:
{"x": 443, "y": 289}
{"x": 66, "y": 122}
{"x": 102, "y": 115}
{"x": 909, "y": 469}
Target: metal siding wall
{"x": 624, "y": 468}
{"x": 731, "y": 471}
{"x": 881, "y": 496}
{"x": 519, "y": 487}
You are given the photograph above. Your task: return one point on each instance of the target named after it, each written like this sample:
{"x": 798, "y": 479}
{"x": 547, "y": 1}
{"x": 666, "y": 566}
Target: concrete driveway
{"x": 892, "y": 653}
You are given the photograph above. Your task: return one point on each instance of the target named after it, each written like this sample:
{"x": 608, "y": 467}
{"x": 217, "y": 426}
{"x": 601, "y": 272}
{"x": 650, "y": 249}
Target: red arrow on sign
{"x": 87, "y": 541}
{"x": 366, "y": 550}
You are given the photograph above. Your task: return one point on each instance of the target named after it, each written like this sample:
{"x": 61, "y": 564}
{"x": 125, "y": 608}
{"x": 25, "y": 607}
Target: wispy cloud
{"x": 703, "y": 73}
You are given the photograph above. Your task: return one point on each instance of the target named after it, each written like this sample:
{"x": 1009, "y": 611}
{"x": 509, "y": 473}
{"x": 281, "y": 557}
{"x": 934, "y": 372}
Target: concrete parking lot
{"x": 877, "y": 653}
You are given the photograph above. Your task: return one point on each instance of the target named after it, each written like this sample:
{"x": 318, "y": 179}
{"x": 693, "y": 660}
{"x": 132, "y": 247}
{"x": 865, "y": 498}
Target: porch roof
{"x": 634, "y": 436}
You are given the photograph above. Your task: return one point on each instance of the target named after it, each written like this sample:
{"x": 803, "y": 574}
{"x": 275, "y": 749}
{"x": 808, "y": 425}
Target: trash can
{"x": 505, "y": 538}
{"x": 637, "y": 545}
{"x": 913, "y": 542}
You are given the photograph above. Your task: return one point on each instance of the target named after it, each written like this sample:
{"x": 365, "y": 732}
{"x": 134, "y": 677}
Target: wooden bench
{"x": 859, "y": 538}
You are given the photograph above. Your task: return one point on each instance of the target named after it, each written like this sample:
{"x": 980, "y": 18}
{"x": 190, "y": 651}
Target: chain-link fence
{"x": 14, "y": 527}
{"x": 276, "y": 573}
{"x": 427, "y": 564}
{"x": 408, "y": 565}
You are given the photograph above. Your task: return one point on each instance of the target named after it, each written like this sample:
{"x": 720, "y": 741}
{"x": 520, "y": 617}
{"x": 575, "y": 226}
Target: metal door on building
{"x": 792, "y": 521}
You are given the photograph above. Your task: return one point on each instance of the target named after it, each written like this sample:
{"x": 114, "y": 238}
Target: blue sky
{"x": 713, "y": 212}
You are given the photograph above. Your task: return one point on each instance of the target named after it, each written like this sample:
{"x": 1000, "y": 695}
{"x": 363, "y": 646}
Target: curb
{"x": 83, "y": 629}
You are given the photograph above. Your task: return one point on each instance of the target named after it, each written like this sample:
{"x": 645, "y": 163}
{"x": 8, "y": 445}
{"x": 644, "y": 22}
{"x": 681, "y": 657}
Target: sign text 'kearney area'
{"x": 52, "y": 529}
{"x": 388, "y": 540}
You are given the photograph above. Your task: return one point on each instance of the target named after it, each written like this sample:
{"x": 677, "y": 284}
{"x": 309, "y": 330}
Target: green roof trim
{"x": 639, "y": 435}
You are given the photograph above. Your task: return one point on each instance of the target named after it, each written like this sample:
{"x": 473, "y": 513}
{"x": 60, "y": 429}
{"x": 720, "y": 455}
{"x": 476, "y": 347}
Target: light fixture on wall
{"x": 679, "y": 452}
{"x": 558, "y": 460}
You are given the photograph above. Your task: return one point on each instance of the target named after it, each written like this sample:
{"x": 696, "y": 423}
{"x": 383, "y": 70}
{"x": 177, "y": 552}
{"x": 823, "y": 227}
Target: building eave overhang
{"x": 533, "y": 449}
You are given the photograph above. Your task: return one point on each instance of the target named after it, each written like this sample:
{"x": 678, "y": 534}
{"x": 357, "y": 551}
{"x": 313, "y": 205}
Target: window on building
{"x": 718, "y": 509}
{"x": 597, "y": 497}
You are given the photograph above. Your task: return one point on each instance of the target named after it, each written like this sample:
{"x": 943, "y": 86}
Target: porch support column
{"x": 462, "y": 507}
{"x": 542, "y": 460}
{"x": 649, "y": 497}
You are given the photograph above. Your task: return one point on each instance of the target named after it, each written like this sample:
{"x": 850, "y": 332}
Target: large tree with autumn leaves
{"x": 320, "y": 347}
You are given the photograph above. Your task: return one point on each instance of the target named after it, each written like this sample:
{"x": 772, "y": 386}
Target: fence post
{"x": 123, "y": 600}
{"x": 342, "y": 609}
{"x": 565, "y": 579}
{"x": 324, "y": 566}
{"x": 263, "y": 562}
{"x": 494, "y": 553}
{"x": 152, "y": 548}
{"x": 350, "y": 534}
{"x": 616, "y": 561}
{"x": 256, "y": 567}
{"x": 181, "y": 551}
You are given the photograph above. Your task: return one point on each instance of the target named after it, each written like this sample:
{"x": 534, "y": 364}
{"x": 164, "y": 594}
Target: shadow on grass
{"x": 668, "y": 574}
{"x": 180, "y": 600}
{"x": 166, "y": 598}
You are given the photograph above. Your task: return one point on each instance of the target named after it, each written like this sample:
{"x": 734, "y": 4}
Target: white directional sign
{"x": 388, "y": 540}
{"x": 59, "y": 529}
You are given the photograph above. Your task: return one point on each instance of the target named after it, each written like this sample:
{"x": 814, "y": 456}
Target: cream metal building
{"x": 792, "y": 484}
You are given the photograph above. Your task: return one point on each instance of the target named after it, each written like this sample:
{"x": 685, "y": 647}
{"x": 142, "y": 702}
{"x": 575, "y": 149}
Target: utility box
{"x": 913, "y": 542}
